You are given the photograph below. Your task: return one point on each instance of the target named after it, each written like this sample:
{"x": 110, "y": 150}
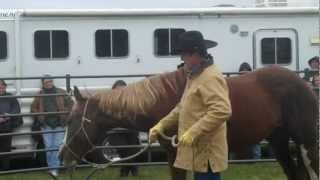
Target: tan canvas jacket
{"x": 203, "y": 111}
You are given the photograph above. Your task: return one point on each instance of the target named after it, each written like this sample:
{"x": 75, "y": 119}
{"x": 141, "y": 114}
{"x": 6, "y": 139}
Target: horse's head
{"x": 81, "y": 130}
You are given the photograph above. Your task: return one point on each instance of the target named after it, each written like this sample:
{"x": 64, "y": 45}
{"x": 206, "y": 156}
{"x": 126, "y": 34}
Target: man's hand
{"x": 153, "y": 133}
{"x": 187, "y": 139}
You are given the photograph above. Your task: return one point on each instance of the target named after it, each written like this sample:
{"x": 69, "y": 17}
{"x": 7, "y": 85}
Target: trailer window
{"x": 51, "y": 44}
{"x": 111, "y": 43}
{"x": 3, "y": 45}
{"x": 165, "y": 41}
{"x": 276, "y": 51}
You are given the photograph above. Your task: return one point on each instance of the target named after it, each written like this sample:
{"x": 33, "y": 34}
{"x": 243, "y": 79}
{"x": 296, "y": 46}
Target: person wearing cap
{"x": 7, "y": 124}
{"x": 244, "y": 68}
{"x": 314, "y": 62}
{"x": 311, "y": 75}
{"x": 202, "y": 113}
{"x": 313, "y": 70}
{"x": 58, "y": 103}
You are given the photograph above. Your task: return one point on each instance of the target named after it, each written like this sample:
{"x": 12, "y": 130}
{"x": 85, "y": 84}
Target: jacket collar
{"x": 196, "y": 70}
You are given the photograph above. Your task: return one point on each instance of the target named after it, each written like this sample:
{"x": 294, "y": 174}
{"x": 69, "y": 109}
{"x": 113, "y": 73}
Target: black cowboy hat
{"x": 315, "y": 58}
{"x": 190, "y": 41}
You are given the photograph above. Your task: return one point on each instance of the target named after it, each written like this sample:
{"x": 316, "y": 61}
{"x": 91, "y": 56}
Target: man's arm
{"x": 215, "y": 96}
{"x": 171, "y": 120}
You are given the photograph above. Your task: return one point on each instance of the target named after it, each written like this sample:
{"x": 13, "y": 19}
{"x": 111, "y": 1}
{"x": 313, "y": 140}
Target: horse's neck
{"x": 176, "y": 82}
{"x": 172, "y": 87}
{"x": 161, "y": 93}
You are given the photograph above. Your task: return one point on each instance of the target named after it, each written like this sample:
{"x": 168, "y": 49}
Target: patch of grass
{"x": 255, "y": 171}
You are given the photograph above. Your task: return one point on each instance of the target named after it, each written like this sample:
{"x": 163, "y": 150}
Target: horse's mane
{"x": 137, "y": 98}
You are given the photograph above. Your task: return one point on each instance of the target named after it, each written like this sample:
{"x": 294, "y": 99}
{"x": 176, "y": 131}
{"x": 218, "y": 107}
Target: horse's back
{"x": 266, "y": 99}
{"x": 255, "y": 109}
{"x": 250, "y": 115}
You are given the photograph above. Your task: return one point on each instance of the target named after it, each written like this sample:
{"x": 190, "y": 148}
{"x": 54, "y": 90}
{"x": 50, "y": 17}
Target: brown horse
{"x": 272, "y": 103}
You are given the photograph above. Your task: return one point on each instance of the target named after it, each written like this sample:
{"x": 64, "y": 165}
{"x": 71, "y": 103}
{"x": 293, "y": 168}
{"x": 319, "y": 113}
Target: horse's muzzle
{"x": 61, "y": 151}
{"x": 64, "y": 156}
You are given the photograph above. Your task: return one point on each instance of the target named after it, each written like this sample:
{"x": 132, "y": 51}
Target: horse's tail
{"x": 300, "y": 112}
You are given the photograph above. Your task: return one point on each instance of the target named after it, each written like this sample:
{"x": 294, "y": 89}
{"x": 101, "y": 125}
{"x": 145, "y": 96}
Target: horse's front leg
{"x": 176, "y": 173}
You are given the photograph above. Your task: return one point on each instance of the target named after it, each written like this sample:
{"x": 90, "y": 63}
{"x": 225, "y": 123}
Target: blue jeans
{"x": 207, "y": 175}
{"x": 52, "y": 140}
{"x": 256, "y": 151}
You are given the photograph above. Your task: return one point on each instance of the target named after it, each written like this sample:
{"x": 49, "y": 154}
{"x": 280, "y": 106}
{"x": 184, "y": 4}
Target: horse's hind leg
{"x": 305, "y": 167}
{"x": 313, "y": 155}
{"x": 279, "y": 141}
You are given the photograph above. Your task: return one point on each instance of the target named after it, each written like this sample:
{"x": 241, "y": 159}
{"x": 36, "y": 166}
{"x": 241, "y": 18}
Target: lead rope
{"x": 192, "y": 160}
{"x": 98, "y": 167}
{"x": 103, "y": 166}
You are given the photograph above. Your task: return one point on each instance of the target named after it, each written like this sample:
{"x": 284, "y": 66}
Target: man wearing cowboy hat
{"x": 201, "y": 114}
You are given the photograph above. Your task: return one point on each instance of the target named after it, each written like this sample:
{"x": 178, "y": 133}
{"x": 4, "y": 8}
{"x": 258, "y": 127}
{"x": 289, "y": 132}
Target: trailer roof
{"x": 158, "y": 12}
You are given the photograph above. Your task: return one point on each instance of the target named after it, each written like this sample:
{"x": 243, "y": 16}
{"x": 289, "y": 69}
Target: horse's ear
{"x": 77, "y": 94}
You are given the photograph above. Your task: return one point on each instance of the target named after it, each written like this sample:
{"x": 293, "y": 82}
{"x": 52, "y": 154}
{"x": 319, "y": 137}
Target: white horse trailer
{"x": 143, "y": 41}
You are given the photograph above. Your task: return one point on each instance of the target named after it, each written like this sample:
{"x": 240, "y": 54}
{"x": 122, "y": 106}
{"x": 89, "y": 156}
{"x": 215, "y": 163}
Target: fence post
{"x": 68, "y": 78}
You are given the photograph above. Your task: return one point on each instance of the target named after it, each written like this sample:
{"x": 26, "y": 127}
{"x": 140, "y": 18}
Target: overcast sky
{"x": 5, "y": 4}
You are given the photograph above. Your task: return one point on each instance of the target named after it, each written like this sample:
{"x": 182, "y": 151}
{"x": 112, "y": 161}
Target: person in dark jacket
{"x": 313, "y": 70}
{"x": 125, "y": 138}
{"x": 245, "y": 67}
{"x": 7, "y": 124}
{"x": 51, "y": 122}
{"x": 311, "y": 75}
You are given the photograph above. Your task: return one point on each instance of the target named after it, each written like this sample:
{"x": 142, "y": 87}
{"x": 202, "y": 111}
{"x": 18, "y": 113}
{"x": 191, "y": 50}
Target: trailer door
{"x": 276, "y": 46}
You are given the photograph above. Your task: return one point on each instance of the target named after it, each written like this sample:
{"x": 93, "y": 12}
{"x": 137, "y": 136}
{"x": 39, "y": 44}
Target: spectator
{"x": 245, "y": 67}
{"x": 51, "y": 122}
{"x": 7, "y": 124}
{"x": 316, "y": 83}
{"x": 125, "y": 138}
{"x": 312, "y": 70}
{"x": 316, "y": 80}
{"x": 256, "y": 148}
{"x": 311, "y": 74}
